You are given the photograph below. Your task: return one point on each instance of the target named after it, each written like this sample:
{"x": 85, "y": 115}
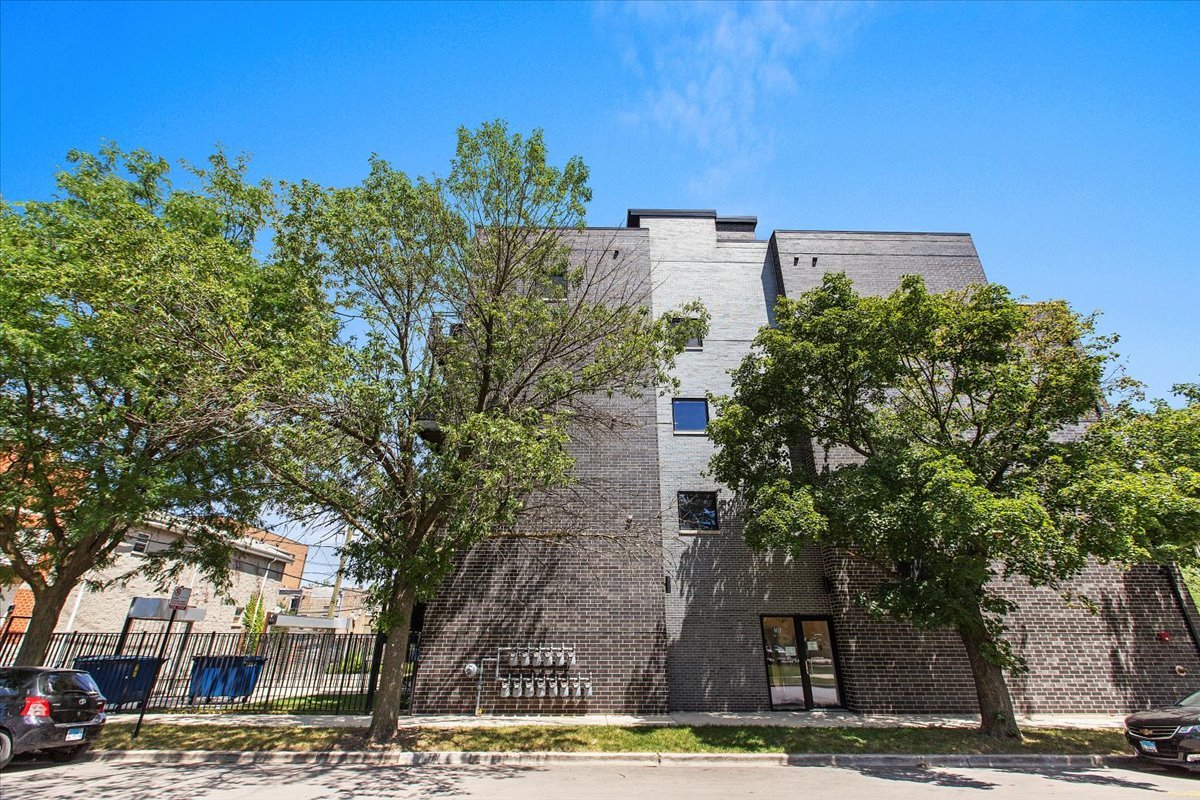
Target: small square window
{"x": 141, "y": 541}
{"x": 689, "y": 416}
{"x": 698, "y": 511}
{"x": 695, "y": 342}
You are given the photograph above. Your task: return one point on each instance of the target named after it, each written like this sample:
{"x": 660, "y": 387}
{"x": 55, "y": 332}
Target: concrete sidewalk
{"x": 526, "y": 759}
{"x": 785, "y": 719}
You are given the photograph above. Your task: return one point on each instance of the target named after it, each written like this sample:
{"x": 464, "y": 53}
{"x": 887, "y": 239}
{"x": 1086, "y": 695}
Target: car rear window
{"x": 58, "y": 682}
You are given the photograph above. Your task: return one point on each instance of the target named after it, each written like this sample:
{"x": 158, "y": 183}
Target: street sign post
{"x": 179, "y": 598}
{"x": 178, "y": 602}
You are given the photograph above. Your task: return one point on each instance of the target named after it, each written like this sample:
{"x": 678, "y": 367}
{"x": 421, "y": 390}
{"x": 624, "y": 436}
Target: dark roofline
{"x": 878, "y": 233}
{"x": 634, "y": 216}
{"x": 739, "y": 220}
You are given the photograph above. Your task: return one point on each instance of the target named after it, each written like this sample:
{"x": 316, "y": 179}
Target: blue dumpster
{"x": 224, "y": 676}
{"x": 122, "y": 679}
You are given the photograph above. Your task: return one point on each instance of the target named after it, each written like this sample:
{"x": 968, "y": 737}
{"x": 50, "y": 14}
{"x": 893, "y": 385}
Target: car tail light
{"x": 36, "y": 707}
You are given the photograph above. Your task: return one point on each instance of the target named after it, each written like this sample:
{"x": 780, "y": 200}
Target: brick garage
{"x": 664, "y": 618}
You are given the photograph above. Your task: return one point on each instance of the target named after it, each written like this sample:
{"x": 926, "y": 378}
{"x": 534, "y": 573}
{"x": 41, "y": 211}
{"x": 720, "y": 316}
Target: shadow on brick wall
{"x": 722, "y": 589}
{"x": 606, "y": 606}
{"x": 1109, "y": 659}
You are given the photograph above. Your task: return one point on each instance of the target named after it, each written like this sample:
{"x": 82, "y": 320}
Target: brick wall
{"x": 699, "y": 646}
{"x": 293, "y": 572}
{"x": 876, "y": 261}
{"x": 22, "y": 610}
{"x": 1078, "y": 661}
{"x": 104, "y": 611}
{"x": 720, "y": 587}
{"x": 599, "y": 590}
{"x": 1109, "y": 660}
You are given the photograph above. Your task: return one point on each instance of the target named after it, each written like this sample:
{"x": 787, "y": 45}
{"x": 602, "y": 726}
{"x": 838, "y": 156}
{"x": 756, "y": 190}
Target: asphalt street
{"x": 43, "y": 781}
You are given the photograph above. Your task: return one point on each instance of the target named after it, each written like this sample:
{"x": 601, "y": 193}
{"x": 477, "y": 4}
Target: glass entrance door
{"x": 820, "y": 670}
{"x": 801, "y": 670}
{"x": 784, "y": 674}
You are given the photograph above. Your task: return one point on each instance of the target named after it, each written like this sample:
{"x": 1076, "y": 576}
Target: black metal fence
{"x": 278, "y": 672}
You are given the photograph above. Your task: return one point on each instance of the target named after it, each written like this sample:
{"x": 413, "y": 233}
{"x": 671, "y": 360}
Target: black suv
{"x": 1168, "y": 735}
{"x": 59, "y": 711}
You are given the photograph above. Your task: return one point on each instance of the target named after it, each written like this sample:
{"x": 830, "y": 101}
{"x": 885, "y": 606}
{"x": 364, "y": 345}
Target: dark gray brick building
{"x": 668, "y": 609}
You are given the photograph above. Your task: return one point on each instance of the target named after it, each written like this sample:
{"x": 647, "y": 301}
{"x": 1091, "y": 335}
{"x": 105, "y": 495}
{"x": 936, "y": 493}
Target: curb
{"x": 516, "y": 759}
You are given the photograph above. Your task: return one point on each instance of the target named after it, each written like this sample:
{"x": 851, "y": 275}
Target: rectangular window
{"x": 698, "y": 511}
{"x": 141, "y": 541}
{"x": 694, "y": 342}
{"x": 689, "y": 416}
{"x": 555, "y": 287}
{"x": 59, "y": 682}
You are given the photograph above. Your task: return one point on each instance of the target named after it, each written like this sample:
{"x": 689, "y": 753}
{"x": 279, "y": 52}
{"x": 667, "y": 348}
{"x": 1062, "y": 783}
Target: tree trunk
{"x": 385, "y": 717}
{"x": 995, "y": 703}
{"x": 47, "y": 605}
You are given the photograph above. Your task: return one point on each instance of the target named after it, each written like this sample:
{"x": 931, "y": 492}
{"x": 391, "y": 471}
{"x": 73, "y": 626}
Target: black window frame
{"x": 561, "y": 283}
{"x": 141, "y": 542}
{"x": 702, "y": 431}
{"x": 688, "y": 524}
{"x": 698, "y": 341}
{"x": 809, "y": 705}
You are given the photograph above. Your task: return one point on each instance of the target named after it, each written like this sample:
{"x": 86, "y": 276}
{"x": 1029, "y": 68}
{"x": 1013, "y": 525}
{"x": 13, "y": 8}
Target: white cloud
{"x": 709, "y": 71}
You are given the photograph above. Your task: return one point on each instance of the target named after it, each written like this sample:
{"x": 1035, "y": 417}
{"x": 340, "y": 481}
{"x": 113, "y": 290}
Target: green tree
{"x": 936, "y": 438}
{"x": 1137, "y": 475}
{"x": 254, "y": 622}
{"x": 138, "y": 335}
{"x": 475, "y": 340}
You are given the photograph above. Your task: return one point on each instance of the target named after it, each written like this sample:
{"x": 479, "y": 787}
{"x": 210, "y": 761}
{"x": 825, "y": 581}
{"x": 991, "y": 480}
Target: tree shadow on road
{"x": 1120, "y": 777}
{"x": 44, "y": 780}
{"x": 934, "y": 777}
{"x": 957, "y": 777}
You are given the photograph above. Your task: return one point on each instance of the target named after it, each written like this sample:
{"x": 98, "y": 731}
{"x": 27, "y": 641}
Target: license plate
{"x": 1148, "y": 747}
{"x": 74, "y": 734}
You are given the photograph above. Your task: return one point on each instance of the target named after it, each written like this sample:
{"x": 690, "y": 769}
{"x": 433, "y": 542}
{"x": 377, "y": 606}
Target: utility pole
{"x": 331, "y": 612}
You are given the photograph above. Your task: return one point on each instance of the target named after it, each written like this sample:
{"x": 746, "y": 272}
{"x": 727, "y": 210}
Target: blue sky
{"x": 1064, "y": 137}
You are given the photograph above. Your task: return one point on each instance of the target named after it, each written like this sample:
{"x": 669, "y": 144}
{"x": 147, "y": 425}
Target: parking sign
{"x": 179, "y": 598}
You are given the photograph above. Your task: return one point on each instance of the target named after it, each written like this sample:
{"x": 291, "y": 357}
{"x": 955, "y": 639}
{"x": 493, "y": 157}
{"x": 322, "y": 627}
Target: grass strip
{"x": 300, "y": 704}
{"x": 608, "y": 739}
